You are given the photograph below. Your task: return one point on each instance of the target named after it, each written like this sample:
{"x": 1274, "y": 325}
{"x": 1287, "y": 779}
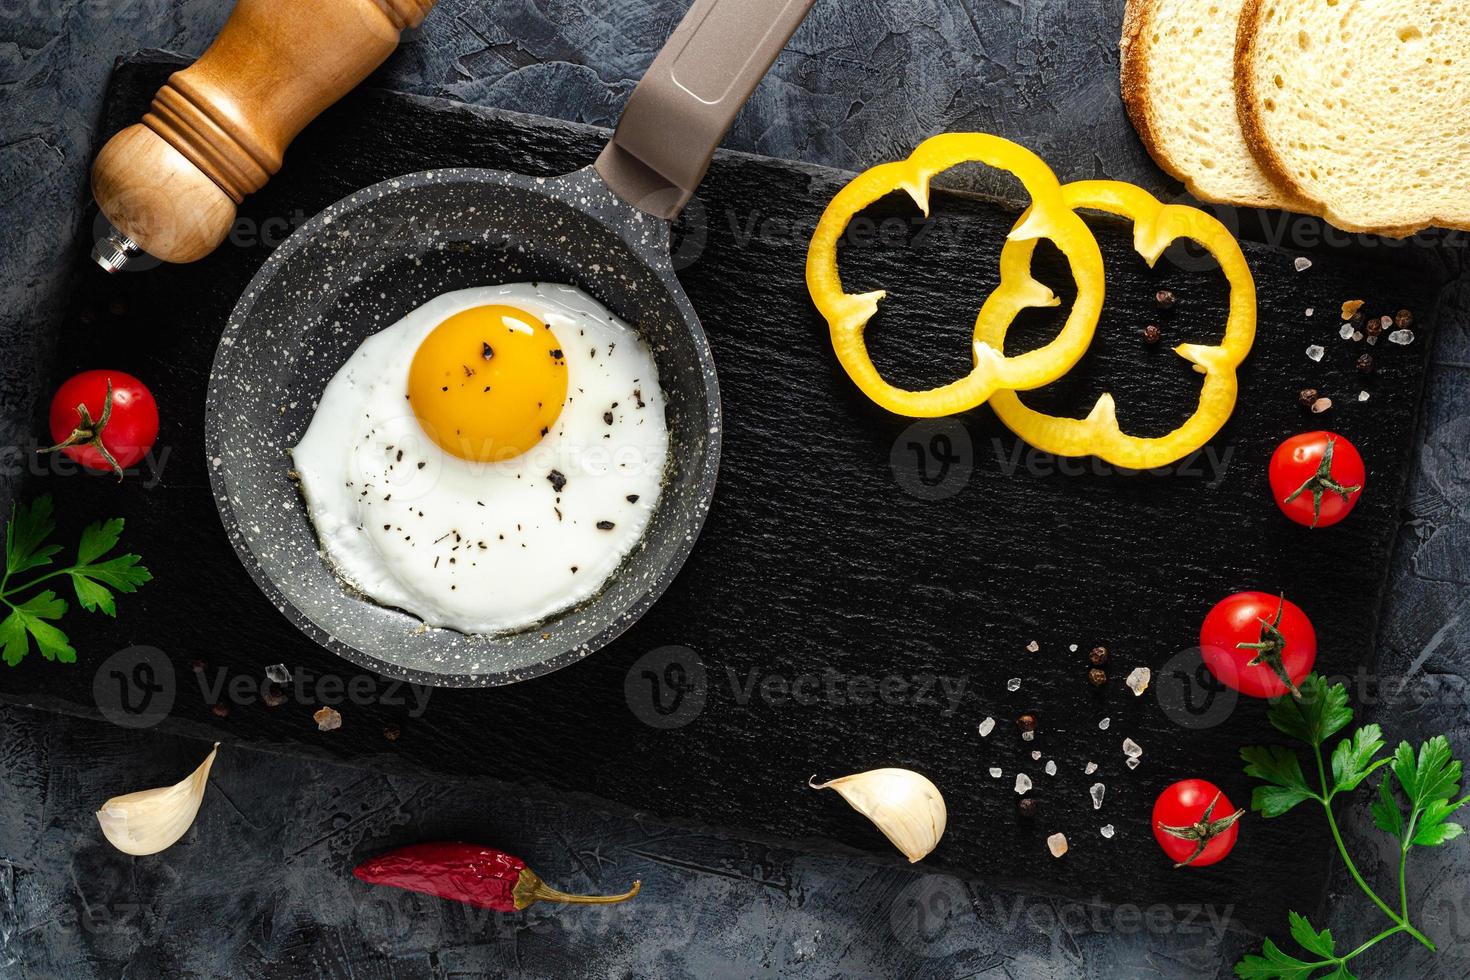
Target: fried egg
{"x": 490, "y": 459}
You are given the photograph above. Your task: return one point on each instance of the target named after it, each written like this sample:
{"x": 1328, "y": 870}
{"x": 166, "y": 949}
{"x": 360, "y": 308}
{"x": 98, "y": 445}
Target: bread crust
{"x": 1136, "y": 48}
{"x": 1272, "y": 164}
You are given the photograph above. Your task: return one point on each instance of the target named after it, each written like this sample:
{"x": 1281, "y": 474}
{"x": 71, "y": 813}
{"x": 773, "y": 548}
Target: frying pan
{"x": 369, "y": 259}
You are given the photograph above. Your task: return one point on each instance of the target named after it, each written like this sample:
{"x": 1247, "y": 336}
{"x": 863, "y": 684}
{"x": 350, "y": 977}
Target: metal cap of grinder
{"x": 217, "y": 131}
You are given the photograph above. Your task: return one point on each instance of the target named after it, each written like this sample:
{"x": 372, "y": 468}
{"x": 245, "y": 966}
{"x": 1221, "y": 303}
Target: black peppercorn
{"x": 1097, "y": 676}
{"x": 1365, "y": 364}
{"x": 1151, "y": 334}
{"x": 1403, "y": 320}
{"x": 1027, "y": 807}
{"x": 1098, "y": 656}
{"x": 1164, "y": 298}
{"x": 1373, "y": 327}
{"x": 220, "y": 710}
{"x": 1026, "y": 723}
{"x": 391, "y": 732}
{"x": 1306, "y": 397}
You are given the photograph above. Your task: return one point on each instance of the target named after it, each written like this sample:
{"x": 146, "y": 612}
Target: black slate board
{"x": 824, "y": 555}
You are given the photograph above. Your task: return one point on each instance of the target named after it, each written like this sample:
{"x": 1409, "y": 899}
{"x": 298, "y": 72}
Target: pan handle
{"x": 687, "y": 100}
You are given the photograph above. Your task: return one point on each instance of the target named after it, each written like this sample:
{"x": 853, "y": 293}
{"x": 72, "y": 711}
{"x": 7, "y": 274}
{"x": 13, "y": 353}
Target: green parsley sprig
{"x": 1415, "y": 800}
{"x": 93, "y": 576}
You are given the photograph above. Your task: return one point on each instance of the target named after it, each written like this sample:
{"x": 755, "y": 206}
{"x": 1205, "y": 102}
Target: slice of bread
{"x": 1362, "y": 106}
{"x": 1179, "y": 87}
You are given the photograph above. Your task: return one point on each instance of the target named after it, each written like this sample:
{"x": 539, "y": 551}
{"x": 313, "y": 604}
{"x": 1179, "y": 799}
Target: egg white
{"x": 487, "y": 547}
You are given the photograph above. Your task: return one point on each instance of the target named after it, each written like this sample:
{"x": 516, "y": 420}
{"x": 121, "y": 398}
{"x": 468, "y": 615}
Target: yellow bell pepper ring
{"x": 1049, "y": 217}
{"x": 1155, "y": 227}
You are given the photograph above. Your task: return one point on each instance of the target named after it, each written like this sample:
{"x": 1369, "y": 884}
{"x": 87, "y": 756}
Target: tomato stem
{"x": 1321, "y": 483}
{"x": 1270, "y": 647}
{"x": 89, "y": 433}
{"x": 1203, "y": 830}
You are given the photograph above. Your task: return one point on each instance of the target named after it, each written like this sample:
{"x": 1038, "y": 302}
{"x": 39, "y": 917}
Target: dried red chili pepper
{"x": 469, "y": 873}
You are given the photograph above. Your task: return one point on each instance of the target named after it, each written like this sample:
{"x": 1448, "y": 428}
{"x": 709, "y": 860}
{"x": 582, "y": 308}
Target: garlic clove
{"x": 906, "y": 806}
{"x": 150, "y": 820}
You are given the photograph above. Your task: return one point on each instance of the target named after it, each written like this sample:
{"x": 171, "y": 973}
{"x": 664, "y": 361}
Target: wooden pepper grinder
{"x": 218, "y": 129}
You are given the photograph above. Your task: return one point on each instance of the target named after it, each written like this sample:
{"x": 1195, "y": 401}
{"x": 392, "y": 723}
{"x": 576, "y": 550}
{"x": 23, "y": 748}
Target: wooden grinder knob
{"x": 219, "y": 129}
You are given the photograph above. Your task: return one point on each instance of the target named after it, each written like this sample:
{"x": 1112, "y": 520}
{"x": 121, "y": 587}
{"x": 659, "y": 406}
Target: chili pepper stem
{"x": 530, "y": 889}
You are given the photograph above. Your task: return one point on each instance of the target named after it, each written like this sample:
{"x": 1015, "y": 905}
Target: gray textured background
{"x": 258, "y": 887}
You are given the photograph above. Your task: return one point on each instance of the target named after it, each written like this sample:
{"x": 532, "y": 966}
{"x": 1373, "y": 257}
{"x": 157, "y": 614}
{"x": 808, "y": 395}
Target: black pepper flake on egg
{"x": 486, "y": 351}
{"x": 574, "y": 569}
{"x": 421, "y": 466}
{"x": 557, "y": 480}
{"x": 556, "y": 354}
{"x": 638, "y": 396}
{"x": 632, "y": 498}
{"x": 605, "y": 525}
{"x": 607, "y": 417}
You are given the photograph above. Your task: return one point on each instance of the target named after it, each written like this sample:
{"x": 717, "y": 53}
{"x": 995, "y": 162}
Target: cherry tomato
{"x": 105, "y": 420}
{"x": 1195, "y": 823}
{"x": 1316, "y": 478}
{"x": 1259, "y": 644}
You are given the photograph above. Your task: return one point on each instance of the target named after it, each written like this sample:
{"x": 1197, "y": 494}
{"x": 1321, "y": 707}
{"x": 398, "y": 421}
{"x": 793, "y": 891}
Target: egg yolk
{"x": 488, "y": 383}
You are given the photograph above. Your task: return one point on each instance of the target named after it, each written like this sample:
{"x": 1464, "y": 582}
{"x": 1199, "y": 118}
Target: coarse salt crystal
{"x": 1357, "y": 335}
{"x": 1133, "y": 762}
{"x": 1014, "y": 684}
{"x": 1315, "y": 352}
{"x": 995, "y": 772}
{"x": 1057, "y": 844}
{"x": 1362, "y": 396}
{"x": 986, "y": 727}
{"x": 1072, "y": 647}
{"x": 1138, "y": 679}
{"x": 1346, "y": 333}
{"x": 1105, "y": 723}
{"x": 1033, "y": 646}
{"x": 1023, "y": 783}
{"x": 1321, "y": 405}
{"x": 1090, "y": 768}
{"x": 1051, "y": 767}
{"x": 1036, "y": 755}
{"x": 1096, "y": 791}
{"x": 1401, "y": 337}
{"x": 1311, "y": 310}
{"x": 1131, "y": 748}
{"x": 1107, "y": 831}
{"x": 278, "y": 674}
{"x": 1302, "y": 263}
{"x": 1027, "y": 736}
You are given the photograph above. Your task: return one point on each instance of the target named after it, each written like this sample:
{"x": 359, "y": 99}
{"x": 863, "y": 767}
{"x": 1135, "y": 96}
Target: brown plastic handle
{"x": 687, "y": 100}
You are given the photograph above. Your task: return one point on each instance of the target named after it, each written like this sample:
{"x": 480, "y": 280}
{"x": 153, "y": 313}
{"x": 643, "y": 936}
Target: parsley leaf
{"x": 1353, "y": 759}
{"x": 25, "y": 537}
{"x": 1310, "y": 940}
{"x": 94, "y": 577}
{"x": 1317, "y": 715}
{"x": 1280, "y": 767}
{"x": 1274, "y": 965}
{"x": 1386, "y": 813}
{"x": 30, "y": 618}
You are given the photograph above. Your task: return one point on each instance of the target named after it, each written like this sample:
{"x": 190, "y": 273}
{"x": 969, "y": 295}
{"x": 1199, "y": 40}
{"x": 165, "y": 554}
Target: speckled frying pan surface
{"x": 361, "y": 265}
